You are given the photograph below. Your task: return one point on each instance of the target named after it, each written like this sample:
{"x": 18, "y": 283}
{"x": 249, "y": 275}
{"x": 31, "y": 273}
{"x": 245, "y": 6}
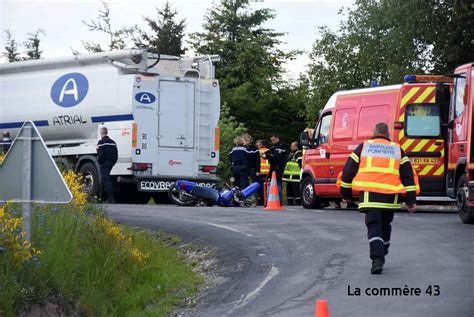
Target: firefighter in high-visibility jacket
{"x": 263, "y": 167}
{"x": 291, "y": 174}
{"x": 381, "y": 172}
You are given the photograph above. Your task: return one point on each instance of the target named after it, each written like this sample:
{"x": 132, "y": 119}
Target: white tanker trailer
{"x": 161, "y": 110}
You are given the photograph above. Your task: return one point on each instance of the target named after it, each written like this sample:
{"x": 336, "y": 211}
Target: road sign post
{"x": 27, "y": 181}
{"x": 29, "y": 174}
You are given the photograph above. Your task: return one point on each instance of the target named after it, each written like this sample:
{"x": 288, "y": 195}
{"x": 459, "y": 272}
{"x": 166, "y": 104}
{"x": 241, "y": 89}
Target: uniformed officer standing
{"x": 5, "y": 143}
{"x": 239, "y": 160}
{"x": 107, "y": 157}
{"x": 291, "y": 175}
{"x": 277, "y": 157}
{"x": 254, "y": 156}
{"x": 379, "y": 169}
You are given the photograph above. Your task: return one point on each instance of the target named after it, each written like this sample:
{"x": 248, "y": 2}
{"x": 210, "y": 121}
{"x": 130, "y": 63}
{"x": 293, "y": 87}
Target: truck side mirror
{"x": 305, "y": 140}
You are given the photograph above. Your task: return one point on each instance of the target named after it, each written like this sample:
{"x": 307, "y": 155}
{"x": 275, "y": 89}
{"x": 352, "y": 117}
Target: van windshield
{"x": 423, "y": 120}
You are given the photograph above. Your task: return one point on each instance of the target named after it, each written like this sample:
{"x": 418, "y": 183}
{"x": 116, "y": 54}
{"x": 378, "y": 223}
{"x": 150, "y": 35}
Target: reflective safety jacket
{"x": 381, "y": 172}
{"x": 293, "y": 167}
{"x": 264, "y": 164}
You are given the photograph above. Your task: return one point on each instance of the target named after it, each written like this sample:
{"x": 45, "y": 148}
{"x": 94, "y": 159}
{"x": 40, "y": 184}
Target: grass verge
{"x": 88, "y": 265}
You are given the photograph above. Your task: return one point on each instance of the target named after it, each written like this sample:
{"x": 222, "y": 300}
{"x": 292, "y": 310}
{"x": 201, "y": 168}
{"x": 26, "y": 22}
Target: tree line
{"x": 376, "y": 40}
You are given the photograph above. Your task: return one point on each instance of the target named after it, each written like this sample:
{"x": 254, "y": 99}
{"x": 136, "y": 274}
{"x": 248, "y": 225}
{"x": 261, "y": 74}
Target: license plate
{"x": 162, "y": 186}
{"x": 424, "y": 160}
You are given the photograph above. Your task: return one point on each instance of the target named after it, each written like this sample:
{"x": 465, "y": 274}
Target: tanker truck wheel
{"x": 466, "y": 213}
{"x": 90, "y": 176}
{"x": 308, "y": 195}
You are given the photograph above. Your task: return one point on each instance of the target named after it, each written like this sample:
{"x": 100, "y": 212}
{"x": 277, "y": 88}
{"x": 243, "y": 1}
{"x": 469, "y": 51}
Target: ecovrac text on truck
{"x": 161, "y": 110}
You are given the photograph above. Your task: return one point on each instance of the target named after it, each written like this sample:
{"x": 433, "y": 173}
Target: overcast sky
{"x": 62, "y": 21}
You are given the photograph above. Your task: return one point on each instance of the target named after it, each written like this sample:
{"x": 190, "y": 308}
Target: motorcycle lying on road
{"x": 186, "y": 193}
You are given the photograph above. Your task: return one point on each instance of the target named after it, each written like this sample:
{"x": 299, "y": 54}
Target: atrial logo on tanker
{"x": 69, "y": 90}
{"x": 145, "y": 97}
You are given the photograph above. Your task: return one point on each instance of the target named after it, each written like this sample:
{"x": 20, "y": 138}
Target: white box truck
{"x": 161, "y": 110}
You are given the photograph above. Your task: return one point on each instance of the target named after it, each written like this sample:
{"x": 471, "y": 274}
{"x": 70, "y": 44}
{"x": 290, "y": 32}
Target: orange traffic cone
{"x": 273, "y": 202}
{"x": 322, "y": 309}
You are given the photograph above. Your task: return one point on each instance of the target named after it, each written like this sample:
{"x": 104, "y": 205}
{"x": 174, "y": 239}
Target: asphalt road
{"x": 278, "y": 263}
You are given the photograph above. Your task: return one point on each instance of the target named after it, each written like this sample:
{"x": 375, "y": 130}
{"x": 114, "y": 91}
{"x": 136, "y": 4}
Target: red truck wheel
{"x": 308, "y": 195}
{"x": 466, "y": 213}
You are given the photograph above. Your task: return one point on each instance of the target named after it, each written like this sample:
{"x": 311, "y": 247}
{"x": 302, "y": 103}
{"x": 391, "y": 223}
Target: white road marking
{"x": 250, "y": 296}
{"x": 408, "y": 217}
{"x": 228, "y": 228}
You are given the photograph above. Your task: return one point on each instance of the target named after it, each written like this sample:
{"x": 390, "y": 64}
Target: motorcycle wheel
{"x": 239, "y": 201}
{"x": 252, "y": 201}
{"x": 180, "y": 197}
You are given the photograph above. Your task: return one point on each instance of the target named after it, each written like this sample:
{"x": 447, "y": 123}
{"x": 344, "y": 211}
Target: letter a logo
{"x": 145, "y": 99}
{"x": 71, "y": 91}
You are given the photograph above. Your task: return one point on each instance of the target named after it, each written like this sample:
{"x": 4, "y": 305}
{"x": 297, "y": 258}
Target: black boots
{"x": 377, "y": 265}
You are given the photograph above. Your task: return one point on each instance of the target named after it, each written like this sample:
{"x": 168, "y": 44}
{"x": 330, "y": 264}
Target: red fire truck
{"x": 414, "y": 115}
{"x": 460, "y": 138}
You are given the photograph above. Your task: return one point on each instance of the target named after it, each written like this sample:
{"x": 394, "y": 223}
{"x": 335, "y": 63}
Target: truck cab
{"x": 460, "y": 178}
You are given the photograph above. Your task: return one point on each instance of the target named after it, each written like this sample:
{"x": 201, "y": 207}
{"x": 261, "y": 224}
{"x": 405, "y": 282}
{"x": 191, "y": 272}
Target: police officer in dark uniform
{"x": 381, "y": 171}
{"x": 5, "y": 143}
{"x": 254, "y": 156}
{"x": 239, "y": 160}
{"x": 277, "y": 156}
{"x": 107, "y": 157}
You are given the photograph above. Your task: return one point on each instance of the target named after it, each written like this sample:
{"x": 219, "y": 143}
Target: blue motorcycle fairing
{"x": 249, "y": 190}
{"x": 185, "y": 185}
{"x": 222, "y": 198}
{"x": 206, "y": 192}
{"x": 226, "y": 197}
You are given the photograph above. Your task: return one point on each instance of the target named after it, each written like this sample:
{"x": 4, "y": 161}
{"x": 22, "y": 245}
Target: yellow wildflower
{"x": 12, "y": 237}
{"x": 138, "y": 255}
{"x": 124, "y": 241}
{"x": 74, "y": 182}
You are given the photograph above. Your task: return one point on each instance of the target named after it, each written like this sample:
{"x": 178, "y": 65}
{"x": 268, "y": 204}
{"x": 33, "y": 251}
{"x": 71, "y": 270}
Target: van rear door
{"x": 422, "y": 138}
{"x": 176, "y": 122}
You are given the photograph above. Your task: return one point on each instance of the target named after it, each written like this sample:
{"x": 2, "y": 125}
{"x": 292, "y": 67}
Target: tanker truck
{"x": 161, "y": 110}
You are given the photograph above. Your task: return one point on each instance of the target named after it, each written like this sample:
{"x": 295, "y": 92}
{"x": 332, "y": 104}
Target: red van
{"x": 349, "y": 117}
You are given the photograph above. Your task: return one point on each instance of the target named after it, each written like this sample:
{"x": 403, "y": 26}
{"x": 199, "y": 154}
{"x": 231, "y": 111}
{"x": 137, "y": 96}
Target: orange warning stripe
{"x": 134, "y": 135}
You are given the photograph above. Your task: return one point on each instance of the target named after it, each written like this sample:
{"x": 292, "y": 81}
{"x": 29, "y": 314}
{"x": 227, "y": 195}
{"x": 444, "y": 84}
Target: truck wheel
{"x": 308, "y": 195}
{"x": 466, "y": 213}
{"x": 91, "y": 183}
